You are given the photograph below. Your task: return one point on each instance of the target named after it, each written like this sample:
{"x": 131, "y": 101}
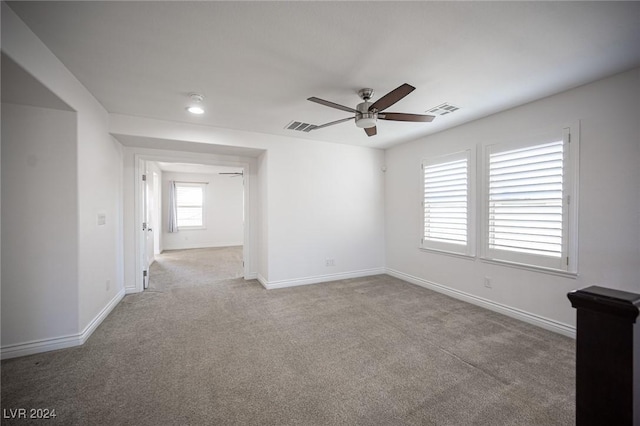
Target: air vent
{"x": 443, "y": 109}
{"x": 300, "y": 126}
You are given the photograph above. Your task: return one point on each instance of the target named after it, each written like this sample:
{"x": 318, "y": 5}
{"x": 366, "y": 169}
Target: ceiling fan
{"x": 367, "y": 113}
{"x": 232, "y": 174}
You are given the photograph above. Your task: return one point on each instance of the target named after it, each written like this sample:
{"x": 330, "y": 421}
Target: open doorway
{"x": 194, "y": 223}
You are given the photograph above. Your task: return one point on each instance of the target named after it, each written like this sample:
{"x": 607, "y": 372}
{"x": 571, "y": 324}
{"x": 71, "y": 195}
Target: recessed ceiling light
{"x": 195, "y": 110}
{"x": 195, "y": 106}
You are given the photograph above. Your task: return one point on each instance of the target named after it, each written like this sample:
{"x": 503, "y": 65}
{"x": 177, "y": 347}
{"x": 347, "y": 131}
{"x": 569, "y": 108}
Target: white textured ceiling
{"x": 257, "y": 62}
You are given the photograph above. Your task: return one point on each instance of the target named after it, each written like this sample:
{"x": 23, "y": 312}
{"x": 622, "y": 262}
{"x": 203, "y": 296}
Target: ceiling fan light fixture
{"x": 367, "y": 120}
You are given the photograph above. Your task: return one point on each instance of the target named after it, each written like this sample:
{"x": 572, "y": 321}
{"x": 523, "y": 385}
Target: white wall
{"x": 223, "y": 213}
{"x": 263, "y": 216}
{"x": 98, "y": 190}
{"x": 325, "y": 201}
{"x": 609, "y": 209}
{"x": 39, "y": 224}
{"x": 99, "y": 193}
{"x": 316, "y": 200}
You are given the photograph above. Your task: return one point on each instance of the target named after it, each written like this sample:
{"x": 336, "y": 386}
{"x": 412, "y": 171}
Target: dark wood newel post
{"x": 607, "y": 357}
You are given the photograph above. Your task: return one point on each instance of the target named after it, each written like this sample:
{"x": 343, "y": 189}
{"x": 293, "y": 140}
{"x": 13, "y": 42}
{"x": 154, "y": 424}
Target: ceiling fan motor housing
{"x": 365, "y": 118}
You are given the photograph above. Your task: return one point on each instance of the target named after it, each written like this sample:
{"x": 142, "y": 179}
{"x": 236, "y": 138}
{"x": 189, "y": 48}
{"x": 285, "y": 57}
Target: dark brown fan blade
{"x": 371, "y": 131}
{"x": 392, "y": 97}
{"x": 328, "y": 124}
{"x": 399, "y": 116}
{"x": 331, "y": 104}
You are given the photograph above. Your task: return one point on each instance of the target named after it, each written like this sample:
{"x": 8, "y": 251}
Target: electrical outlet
{"x": 487, "y": 282}
{"x": 329, "y": 262}
{"x": 102, "y": 218}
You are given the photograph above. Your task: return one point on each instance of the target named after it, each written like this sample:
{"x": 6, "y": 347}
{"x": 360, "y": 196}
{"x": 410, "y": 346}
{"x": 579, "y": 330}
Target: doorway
{"x": 149, "y": 195}
{"x": 224, "y": 220}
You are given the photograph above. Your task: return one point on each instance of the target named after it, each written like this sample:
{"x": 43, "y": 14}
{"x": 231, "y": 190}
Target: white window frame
{"x": 468, "y": 249}
{"x": 202, "y": 186}
{"x": 568, "y": 261}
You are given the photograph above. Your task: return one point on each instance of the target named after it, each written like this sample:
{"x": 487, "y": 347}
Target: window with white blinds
{"x": 190, "y": 205}
{"x": 525, "y": 200}
{"x": 527, "y": 196}
{"x": 446, "y": 203}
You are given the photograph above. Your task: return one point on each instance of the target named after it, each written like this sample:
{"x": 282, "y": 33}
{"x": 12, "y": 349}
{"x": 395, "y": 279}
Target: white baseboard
{"x": 251, "y": 276}
{"x": 262, "y": 281}
{"x": 270, "y": 285}
{"x": 37, "y": 346}
{"x": 55, "y": 343}
{"x": 546, "y": 323}
{"x": 91, "y": 327}
{"x": 190, "y": 246}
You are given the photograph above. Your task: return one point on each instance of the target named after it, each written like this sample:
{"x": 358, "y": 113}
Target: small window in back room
{"x": 190, "y": 205}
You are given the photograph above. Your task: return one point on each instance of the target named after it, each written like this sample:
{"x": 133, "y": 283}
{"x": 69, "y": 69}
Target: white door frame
{"x": 249, "y": 252}
{"x": 144, "y": 215}
{"x": 157, "y": 212}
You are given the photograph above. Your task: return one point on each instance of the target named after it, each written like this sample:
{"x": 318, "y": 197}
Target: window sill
{"x": 448, "y": 253}
{"x": 533, "y": 268}
{"x": 191, "y": 228}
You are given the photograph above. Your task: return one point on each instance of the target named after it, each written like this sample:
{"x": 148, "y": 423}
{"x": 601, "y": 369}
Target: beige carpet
{"x": 203, "y": 266}
{"x": 368, "y": 351}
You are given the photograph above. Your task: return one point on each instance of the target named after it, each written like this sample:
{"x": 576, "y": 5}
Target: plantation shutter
{"x": 446, "y": 203}
{"x": 525, "y": 200}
